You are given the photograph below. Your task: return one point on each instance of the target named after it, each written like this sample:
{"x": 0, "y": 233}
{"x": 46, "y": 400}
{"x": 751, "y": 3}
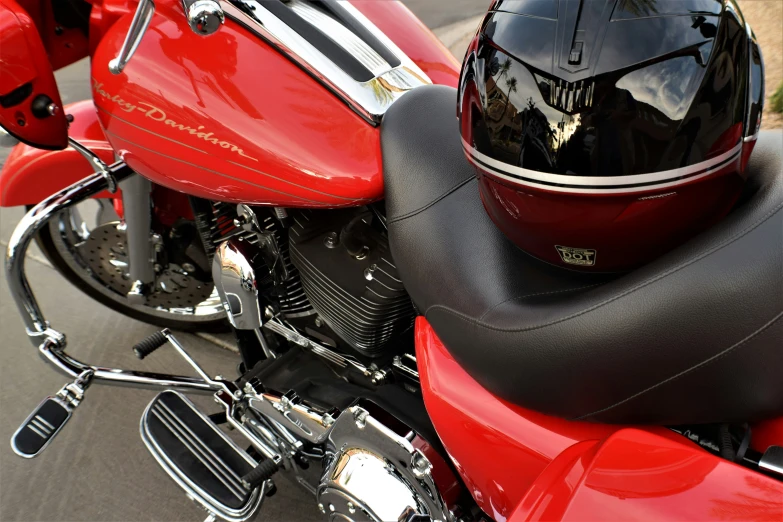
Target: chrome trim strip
{"x": 772, "y": 460}
{"x": 342, "y": 36}
{"x": 30, "y": 425}
{"x": 592, "y": 181}
{"x": 369, "y": 99}
{"x": 43, "y": 421}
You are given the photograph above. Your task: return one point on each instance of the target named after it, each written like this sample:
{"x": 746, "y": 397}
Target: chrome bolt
{"x": 187, "y": 267}
{"x": 321, "y": 508}
{"x": 52, "y": 109}
{"x": 248, "y": 388}
{"x": 327, "y": 420}
{"x": 319, "y": 322}
{"x": 351, "y": 508}
{"x": 331, "y": 240}
{"x": 238, "y": 394}
{"x": 420, "y": 465}
{"x": 360, "y": 416}
{"x": 331, "y": 508}
{"x": 378, "y": 377}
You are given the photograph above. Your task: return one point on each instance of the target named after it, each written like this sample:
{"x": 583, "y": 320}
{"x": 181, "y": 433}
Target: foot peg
{"x": 35, "y": 433}
{"x": 200, "y": 458}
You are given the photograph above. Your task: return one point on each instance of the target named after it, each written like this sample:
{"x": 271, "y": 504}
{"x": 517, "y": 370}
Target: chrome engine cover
{"x": 373, "y": 474}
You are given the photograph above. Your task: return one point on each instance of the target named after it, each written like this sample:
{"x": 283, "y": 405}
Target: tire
{"x": 47, "y": 246}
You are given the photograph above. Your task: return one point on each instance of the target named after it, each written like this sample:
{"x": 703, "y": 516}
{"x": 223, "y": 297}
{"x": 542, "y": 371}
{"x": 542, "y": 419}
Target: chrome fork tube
{"x": 138, "y": 221}
{"x": 50, "y": 342}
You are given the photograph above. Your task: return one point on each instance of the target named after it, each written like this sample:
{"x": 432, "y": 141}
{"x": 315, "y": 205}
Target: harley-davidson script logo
{"x": 159, "y": 115}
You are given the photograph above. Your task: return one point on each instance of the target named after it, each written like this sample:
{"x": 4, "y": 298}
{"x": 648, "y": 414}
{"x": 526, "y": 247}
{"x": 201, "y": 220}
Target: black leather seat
{"x": 694, "y": 337}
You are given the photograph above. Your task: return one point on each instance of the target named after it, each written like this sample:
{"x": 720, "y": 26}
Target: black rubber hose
{"x": 260, "y": 474}
{"x": 149, "y": 345}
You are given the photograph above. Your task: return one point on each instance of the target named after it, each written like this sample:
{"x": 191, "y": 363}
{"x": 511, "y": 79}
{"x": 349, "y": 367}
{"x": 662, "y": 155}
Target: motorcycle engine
{"x": 342, "y": 289}
{"x": 347, "y": 273}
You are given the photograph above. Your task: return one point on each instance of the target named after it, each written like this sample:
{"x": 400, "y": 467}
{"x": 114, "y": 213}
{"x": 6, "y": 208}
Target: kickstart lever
{"x": 46, "y": 421}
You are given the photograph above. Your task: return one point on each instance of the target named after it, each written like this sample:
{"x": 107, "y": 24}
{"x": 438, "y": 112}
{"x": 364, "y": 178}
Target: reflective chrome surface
{"x": 772, "y": 460}
{"x": 375, "y": 474}
{"x": 281, "y": 328}
{"x": 293, "y": 415}
{"x": 137, "y": 207}
{"x": 26, "y": 230}
{"x": 141, "y": 20}
{"x": 372, "y": 98}
{"x": 97, "y": 163}
{"x": 68, "y": 398}
{"x": 235, "y": 280}
{"x": 91, "y": 240}
{"x": 50, "y": 342}
{"x": 406, "y": 364}
{"x": 204, "y": 16}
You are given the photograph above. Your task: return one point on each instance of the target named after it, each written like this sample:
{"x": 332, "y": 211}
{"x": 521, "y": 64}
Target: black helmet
{"x": 605, "y": 132}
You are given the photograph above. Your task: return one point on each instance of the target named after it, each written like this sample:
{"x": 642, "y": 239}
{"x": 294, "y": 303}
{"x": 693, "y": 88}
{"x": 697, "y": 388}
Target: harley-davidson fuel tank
{"x": 279, "y": 106}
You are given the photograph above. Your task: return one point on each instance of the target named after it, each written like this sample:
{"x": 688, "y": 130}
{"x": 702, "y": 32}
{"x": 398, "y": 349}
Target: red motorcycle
{"x": 253, "y": 165}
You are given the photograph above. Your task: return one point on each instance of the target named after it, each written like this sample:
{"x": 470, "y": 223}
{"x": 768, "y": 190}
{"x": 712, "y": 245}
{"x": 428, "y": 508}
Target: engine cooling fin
{"x": 359, "y": 296}
{"x": 216, "y": 223}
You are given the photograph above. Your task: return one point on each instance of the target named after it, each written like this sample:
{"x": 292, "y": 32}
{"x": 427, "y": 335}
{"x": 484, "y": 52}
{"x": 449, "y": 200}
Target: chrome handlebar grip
{"x": 141, "y": 20}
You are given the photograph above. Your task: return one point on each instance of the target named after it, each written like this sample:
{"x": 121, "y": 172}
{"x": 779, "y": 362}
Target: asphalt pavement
{"x": 97, "y": 468}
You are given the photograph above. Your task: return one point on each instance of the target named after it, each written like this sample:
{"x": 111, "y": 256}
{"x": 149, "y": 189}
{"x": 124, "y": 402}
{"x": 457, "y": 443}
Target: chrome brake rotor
{"x": 105, "y": 253}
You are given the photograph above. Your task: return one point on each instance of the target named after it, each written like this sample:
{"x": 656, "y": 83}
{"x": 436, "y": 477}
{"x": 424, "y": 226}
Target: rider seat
{"x": 692, "y": 337}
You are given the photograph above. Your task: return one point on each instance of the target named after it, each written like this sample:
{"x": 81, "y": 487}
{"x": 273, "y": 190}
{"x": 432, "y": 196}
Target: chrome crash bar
{"x": 51, "y": 343}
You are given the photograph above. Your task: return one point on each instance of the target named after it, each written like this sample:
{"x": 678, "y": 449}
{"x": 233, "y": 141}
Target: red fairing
{"x": 523, "y": 465}
{"x": 636, "y": 475}
{"x": 64, "y": 45}
{"x": 243, "y": 124}
{"x": 265, "y": 132}
{"x": 26, "y": 76}
{"x": 31, "y": 174}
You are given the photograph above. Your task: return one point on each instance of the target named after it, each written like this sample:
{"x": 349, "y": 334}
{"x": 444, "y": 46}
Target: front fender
{"x": 30, "y": 174}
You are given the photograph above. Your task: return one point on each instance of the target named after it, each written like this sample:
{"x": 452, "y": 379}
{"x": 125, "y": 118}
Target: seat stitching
{"x": 493, "y": 307}
{"x": 428, "y": 205}
{"x": 669, "y": 272}
{"x": 705, "y": 362}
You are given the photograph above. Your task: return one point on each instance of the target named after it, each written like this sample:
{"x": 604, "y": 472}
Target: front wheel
{"x": 92, "y": 254}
